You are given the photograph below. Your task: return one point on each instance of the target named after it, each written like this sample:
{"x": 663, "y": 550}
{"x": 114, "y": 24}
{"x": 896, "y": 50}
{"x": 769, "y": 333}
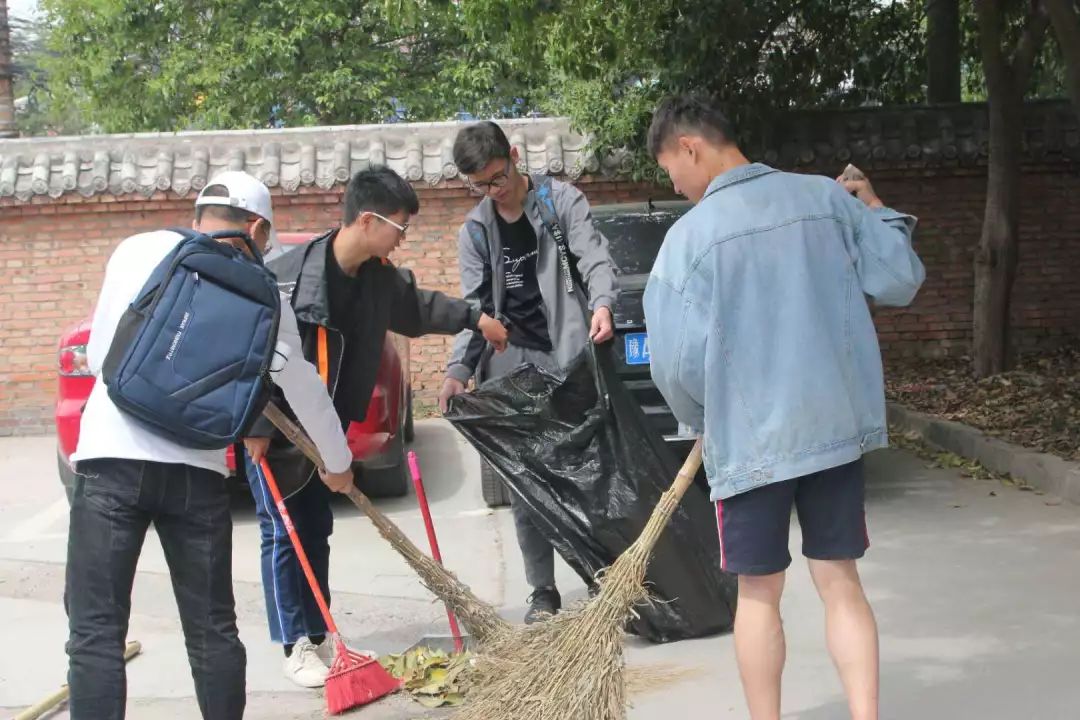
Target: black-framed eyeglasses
{"x": 499, "y": 181}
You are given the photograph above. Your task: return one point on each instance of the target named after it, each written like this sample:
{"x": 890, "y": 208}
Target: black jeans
{"x": 112, "y": 507}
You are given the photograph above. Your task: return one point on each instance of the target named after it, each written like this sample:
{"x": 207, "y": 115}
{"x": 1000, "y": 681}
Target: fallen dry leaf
{"x": 1037, "y": 405}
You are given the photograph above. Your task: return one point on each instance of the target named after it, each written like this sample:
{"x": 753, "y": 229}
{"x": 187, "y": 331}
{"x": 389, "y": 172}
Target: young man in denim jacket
{"x": 762, "y": 339}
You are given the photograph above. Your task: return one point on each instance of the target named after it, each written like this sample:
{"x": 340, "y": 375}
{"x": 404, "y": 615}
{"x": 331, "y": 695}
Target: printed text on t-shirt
{"x": 515, "y": 270}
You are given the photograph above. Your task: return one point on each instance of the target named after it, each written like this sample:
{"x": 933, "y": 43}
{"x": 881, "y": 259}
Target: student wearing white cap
{"x": 127, "y": 478}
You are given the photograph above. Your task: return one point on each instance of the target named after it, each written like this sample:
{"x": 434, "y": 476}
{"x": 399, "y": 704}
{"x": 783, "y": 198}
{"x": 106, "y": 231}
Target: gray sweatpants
{"x": 536, "y": 551}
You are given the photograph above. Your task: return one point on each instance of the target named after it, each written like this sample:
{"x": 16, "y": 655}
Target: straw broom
{"x": 479, "y": 618}
{"x": 571, "y": 666}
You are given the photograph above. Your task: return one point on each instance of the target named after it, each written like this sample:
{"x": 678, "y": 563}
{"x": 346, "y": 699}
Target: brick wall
{"x": 53, "y": 252}
{"x": 1046, "y": 297}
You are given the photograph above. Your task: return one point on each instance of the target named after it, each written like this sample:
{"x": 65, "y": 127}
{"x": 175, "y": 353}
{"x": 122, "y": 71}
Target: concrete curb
{"x": 1047, "y": 472}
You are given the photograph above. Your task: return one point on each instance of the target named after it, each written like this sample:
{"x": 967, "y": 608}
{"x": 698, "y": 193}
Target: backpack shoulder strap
{"x": 545, "y": 203}
{"x": 479, "y": 238}
{"x": 185, "y": 232}
{"x": 155, "y": 283}
{"x": 190, "y": 234}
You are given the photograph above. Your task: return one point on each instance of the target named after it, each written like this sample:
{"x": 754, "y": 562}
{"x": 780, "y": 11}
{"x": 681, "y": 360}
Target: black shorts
{"x": 753, "y": 526}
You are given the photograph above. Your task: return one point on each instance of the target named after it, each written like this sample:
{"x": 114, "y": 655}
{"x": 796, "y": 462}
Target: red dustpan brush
{"x": 355, "y": 679}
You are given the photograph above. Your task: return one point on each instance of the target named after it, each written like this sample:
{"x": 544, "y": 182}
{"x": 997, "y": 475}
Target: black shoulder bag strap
{"x": 546, "y": 205}
{"x": 571, "y": 280}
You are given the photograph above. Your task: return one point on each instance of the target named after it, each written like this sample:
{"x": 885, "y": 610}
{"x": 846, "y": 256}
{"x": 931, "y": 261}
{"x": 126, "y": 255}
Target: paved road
{"x": 975, "y": 584}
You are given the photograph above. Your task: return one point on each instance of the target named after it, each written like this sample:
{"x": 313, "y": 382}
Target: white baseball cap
{"x": 246, "y": 192}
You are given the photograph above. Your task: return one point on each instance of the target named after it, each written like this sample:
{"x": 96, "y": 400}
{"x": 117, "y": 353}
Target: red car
{"x": 377, "y": 443}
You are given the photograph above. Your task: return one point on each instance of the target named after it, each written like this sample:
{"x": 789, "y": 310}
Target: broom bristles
{"x": 480, "y": 619}
{"x": 582, "y": 676}
{"x": 356, "y": 680}
{"x": 583, "y": 673}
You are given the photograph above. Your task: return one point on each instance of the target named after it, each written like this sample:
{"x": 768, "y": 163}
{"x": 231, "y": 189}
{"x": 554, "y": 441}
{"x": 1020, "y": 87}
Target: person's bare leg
{"x": 759, "y": 643}
{"x": 851, "y": 633}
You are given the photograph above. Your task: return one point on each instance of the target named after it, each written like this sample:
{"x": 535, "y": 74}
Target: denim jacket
{"x": 760, "y": 329}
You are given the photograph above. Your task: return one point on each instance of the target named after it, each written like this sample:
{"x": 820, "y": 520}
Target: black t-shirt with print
{"x": 522, "y": 304}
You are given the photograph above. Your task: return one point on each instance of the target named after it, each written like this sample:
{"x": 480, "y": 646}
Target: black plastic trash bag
{"x": 581, "y": 454}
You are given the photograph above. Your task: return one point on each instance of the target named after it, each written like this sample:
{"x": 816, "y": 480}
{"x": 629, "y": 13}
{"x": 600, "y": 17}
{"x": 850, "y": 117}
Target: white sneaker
{"x": 325, "y": 651}
{"x": 304, "y": 667}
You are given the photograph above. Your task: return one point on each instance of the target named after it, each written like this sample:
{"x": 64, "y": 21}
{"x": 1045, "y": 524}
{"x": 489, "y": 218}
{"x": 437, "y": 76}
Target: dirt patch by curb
{"x": 1036, "y": 406}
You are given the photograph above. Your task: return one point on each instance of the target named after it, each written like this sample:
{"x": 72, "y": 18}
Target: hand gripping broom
{"x": 480, "y": 619}
{"x": 354, "y": 679}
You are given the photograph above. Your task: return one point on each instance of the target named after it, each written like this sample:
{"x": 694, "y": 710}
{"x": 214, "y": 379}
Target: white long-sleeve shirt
{"x": 106, "y": 432}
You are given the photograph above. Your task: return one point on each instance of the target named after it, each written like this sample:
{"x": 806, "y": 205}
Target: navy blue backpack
{"x": 191, "y": 356}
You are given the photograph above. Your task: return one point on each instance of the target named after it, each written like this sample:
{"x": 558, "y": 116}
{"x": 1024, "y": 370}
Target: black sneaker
{"x": 543, "y": 603}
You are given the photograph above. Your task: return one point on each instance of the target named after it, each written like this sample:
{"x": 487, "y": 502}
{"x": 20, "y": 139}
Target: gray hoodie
{"x": 480, "y": 258}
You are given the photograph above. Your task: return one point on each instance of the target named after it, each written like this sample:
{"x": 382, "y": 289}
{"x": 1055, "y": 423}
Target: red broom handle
{"x": 425, "y": 510}
{"x": 300, "y": 554}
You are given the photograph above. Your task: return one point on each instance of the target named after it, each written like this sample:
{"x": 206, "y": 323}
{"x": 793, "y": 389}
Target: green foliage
{"x": 36, "y": 112}
{"x": 1048, "y": 74}
{"x": 608, "y": 62}
{"x": 178, "y": 64}
{"x": 129, "y": 65}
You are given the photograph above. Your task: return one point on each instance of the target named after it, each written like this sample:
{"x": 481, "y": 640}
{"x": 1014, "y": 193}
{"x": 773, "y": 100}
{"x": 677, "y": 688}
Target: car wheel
{"x": 409, "y": 430}
{"x": 496, "y": 493}
{"x": 67, "y": 477}
{"x": 388, "y": 481}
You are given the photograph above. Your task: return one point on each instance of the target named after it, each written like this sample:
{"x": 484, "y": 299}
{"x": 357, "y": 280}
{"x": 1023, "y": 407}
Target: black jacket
{"x": 389, "y": 300}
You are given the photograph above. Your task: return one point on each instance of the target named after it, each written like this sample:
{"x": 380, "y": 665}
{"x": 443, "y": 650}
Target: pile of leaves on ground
{"x": 432, "y": 678}
{"x": 1036, "y": 405}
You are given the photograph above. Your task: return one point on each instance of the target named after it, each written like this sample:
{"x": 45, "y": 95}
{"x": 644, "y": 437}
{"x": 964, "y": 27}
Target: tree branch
{"x": 1031, "y": 42}
{"x": 1067, "y": 28}
{"x": 390, "y": 42}
{"x": 989, "y": 14}
{"x": 914, "y": 29}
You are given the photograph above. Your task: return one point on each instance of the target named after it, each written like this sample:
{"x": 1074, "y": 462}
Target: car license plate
{"x": 637, "y": 348}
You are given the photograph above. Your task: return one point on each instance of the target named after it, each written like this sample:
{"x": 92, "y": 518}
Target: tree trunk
{"x": 996, "y": 257}
{"x": 943, "y": 51}
{"x": 1067, "y": 29}
{"x": 7, "y": 88}
{"x": 1007, "y": 76}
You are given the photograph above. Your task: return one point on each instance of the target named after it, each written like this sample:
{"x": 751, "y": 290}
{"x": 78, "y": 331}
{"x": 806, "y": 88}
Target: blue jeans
{"x": 291, "y": 610}
{"x": 112, "y": 506}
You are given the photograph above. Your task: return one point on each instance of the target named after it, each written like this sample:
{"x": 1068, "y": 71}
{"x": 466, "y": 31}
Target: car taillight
{"x": 73, "y": 361}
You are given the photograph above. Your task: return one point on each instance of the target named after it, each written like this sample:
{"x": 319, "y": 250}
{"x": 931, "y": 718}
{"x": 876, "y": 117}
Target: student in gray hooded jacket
{"x": 510, "y": 268}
